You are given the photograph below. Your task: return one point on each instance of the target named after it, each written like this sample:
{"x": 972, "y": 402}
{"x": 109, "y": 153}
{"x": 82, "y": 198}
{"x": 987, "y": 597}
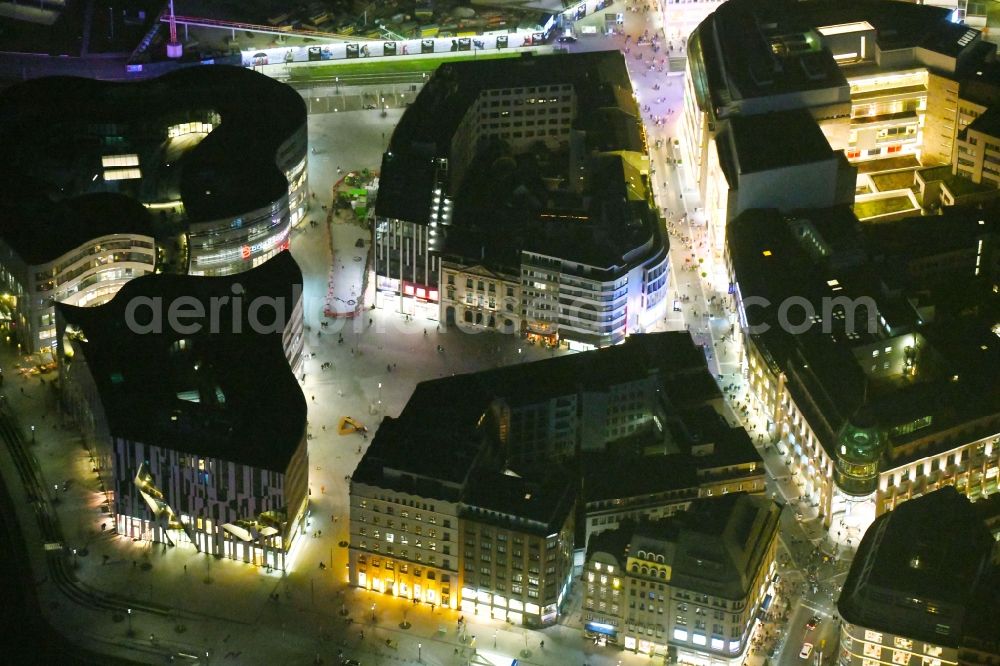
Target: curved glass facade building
{"x": 200, "y": 171}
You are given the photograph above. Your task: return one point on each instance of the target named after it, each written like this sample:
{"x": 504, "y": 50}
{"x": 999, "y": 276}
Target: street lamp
{"x": 380, "y": 396}
{"x": 337, "y": 81}
{"x": 494, "y": 640}
{"x": 130, "y": 622}
{"x": 373, "y": 612}
{"x": 419, "y": 653}
{"x": 76, "y": 562}
{"x": 32, "y": 434}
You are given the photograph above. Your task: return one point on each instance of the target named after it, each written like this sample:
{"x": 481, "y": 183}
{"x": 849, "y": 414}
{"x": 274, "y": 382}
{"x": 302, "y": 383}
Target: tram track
{"x": 56, "y": 554}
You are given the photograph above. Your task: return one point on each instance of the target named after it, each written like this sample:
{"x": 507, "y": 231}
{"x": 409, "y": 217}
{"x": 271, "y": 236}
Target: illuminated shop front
{"x": 225, "y": 247}
{"x": 404, "y": 579}
{"x": 217, "y": 155}
{"x": 188, "y": 450}
{"x": 268, "y": 549}
{"x": 498, "y": 607}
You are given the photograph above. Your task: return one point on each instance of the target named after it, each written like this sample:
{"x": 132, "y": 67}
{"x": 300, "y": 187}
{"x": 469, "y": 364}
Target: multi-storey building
{"x": 644, "y": 411}
{"x": 872, "y": 352}
{"x": 440, "y": 518}
{"x": 688, "y": 587}
{"x": 861, "y": 70}
{"x": 922, "y": 588}
{"x": 706, "y": 458}
{"x": 172, "y": 407}
{"x": 480, "y": 298}
{"x": 81, "y": 255}
{"x": 167, "y": 144}
{"x": 517, "y": 546}
{"x": 977, "y": 150}
{"x": 544, "y": 184}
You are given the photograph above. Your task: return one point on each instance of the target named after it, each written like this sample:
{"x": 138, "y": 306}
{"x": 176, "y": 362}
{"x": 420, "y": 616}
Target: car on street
{"x": 807, "y": 650}
{"x": 813, "y": 621}
{"x": 567, "y": 39}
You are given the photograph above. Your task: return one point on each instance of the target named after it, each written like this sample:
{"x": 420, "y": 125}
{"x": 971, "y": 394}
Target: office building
{"x": 185, "y": 386}
{"x": 689, "y": 587}
{"x": 872, "y": 353}
{"x": 879, "y": 79}
{"x": 489, "y": 467}
{"x": 79, "y": 251}
{"x": 439, "y": 517}
{"x": 541, "y": 187}
{"x": 216, "y": 155}
{"x": 922, "y": 588}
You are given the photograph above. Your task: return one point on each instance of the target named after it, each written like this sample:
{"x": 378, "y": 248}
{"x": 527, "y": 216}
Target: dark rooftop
{"x": 496, "y": 215}
{"x": 228, "y": 394}
{"x": 615, "y": 477}
{"x": 988, "y": 123}
{"x": 538, "y": 503}
{"x": 761, "y": 141}
{"x": 719, "y": 542}
{"x": 51, "y": 155}
{"x": 933, "y": 550}
{"x": 723, "y": 541}
{"x": 436, "y": 442}
{"x": 42, "y": 230}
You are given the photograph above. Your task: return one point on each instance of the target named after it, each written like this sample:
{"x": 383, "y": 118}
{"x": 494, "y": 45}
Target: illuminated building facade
{"x": 689, "y": 587}
{"x": 79, "y": 252}
{"x": 488, "y": 513}
{"x": 443, "y": 519}
{"x": 879, "y": 79}
{"x": 577, "y": 228}
{"x": 977, "y": 150}
{"x": 922, "y": 588}
{"x": 701, "y": 457}
{"x": 223, "y": 182}
{"x": 188, "y": 451}
{"x": 480, "y": 298}
{"x": 517, "y": 546}
{"x": 879, "y": 387}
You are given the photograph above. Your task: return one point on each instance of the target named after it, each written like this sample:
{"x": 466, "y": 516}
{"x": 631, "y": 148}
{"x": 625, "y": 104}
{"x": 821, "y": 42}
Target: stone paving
{"x": 228, "y": 609}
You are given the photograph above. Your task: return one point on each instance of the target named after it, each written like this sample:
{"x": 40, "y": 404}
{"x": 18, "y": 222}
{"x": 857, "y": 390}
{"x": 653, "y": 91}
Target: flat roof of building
{"x": 492, "y": 220}
{"x": 988, "y": 123}
{"x": 225, "y": 391}
{"x": 42, "y": 230}
{"x": 784, "y": 256}
{"x": 614, "y": 477}
{"x": 436, "y": 441}
{"x": 717, "y": 545}
{"x": 762, "y": 141}
{"x": 934, "y": 549}
{"x": 233, "y": 170}
{"x": 722, "y": 543}
{"x": 537, "y": 502}
{"x": 763, "y": 48}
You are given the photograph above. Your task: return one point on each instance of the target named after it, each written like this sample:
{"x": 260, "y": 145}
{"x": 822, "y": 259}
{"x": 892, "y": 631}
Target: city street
{"x": 366, "y": 367}
{"x": 185, "y": 603}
